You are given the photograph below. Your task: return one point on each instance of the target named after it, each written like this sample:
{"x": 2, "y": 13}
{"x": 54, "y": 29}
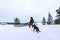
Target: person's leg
{"x": 29, "y": 25}
{"x": 32, "y": 25}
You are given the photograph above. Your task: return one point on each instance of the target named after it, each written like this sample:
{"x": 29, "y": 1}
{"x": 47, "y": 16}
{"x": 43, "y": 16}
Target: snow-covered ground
{"x": 48, "y": 32}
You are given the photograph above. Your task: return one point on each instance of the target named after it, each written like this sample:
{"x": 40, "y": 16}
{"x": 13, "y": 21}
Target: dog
{"x": 36, "y": 28}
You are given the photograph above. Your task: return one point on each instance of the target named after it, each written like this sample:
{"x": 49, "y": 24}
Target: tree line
{"x": 50, "y": 18}
{"x": 44, "y": 22}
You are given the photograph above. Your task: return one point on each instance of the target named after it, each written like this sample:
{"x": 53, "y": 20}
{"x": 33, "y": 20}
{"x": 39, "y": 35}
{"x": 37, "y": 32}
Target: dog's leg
{"x": 39, "y": 31}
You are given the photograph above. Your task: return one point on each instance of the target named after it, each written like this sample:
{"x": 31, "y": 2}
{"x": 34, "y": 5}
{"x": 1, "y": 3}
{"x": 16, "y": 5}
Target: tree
{"x": 44, "y": 21}
{"x": 50, "y": 19}
{"x": 17, "y": 22}
{"x": 57, "y": 21}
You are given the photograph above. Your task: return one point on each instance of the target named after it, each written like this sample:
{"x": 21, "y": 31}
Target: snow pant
{"x": 30, "y": 24}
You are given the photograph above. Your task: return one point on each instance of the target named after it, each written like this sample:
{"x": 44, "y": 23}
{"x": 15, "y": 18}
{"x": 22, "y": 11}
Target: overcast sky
{"x": 24, "y": 9}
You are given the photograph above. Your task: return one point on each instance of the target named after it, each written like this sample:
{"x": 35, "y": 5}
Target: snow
{"x": 48, "y": 32}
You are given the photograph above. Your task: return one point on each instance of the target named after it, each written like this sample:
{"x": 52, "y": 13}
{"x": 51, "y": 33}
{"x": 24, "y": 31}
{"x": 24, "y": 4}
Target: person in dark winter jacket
{"x": 31, "y": 22}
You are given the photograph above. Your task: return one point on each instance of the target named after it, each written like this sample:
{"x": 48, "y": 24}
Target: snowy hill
{"x": 48, "y": 32}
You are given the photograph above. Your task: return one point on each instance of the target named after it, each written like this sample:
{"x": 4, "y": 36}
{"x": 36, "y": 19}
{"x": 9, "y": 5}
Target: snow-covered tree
{"x": 57, "y": 21}
{"x": 50, "y": 19}
{"x": 44, "y": 21}
{"x": 58, "y": 13}
{"x": 17, "y": 22}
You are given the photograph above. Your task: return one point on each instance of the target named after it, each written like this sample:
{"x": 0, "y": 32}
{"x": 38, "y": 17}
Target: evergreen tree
{"x": 17, "y": 22}
{"x": 50, "y": 19}
{"x": 44, "y": 21}
{"x": 57, "y": 21}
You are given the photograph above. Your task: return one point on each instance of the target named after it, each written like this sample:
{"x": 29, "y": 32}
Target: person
{"x": 31, "y": 22}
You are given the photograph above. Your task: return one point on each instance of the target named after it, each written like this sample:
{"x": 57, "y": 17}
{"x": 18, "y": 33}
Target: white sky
{"x": 24, "y": 9}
